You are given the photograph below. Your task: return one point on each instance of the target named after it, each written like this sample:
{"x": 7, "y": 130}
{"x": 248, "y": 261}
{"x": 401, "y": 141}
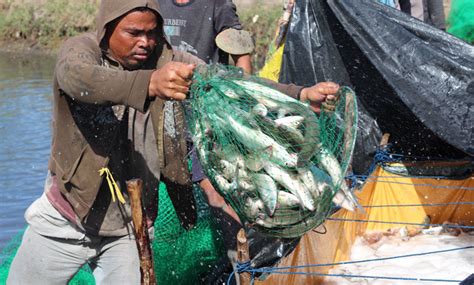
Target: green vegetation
{"x": 46, "y": 23}
{"x": 262, "y": 21}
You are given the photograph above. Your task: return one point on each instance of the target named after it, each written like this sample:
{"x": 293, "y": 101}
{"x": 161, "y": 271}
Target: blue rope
{"x": 402, "y": 176}
{"x": 382, "y": 156}
{"x": 400, "y": 223}
{"x": 423, "y": 185}
{"x": 371, "y": 277}
{"x": 367, "y": 260}
{"x": 240, "y": 268}
{"x": 420, "y": 205}
{"x": 246, "y": 267}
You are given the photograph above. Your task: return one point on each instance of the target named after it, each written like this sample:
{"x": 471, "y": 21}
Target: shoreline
{"x": 24, "y": 48}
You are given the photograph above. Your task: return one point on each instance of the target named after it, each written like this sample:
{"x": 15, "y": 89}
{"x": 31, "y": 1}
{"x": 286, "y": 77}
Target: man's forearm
{"x": 243, "y": 61}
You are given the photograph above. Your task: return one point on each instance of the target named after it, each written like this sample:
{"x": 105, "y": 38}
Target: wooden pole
{"x": 384, "y": 140}
{"x": 243, "y": 256}
{"x": 147, "y": 271}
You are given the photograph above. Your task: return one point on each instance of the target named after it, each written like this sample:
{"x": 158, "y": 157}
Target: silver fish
{"x": 253, "y": 163}
{"x": 291, "y": 184}
{"x": 306, "y": 177}
{"x": 245, "y": 185}
{"x": 229, "y": 92}
{"x": 324, "y": 184}
{"x": 259, "y": 110}
{"x": 257, "y": 141}
{"x": 229, "y": 171}
{"x": 252, "y": 208}
{"x": 287, "y": 200}
{"x": 223, "y": 184}
{"x": 331, "y": 165}
{"x": 267, "y": 191}
{"x": 290, "y": 121}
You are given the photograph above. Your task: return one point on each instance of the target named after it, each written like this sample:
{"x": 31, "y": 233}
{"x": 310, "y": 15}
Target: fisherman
{"x": 116, "y": 116}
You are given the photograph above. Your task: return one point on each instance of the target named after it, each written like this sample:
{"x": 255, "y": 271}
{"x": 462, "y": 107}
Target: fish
{"x": 233, "y": 157}
{"x": 223, "y": 184}
{"x": 267, "y": 191}
{"x": 245, "y": 185}
{"x": 291, "y": 184}
{"x": 276, "y": 101}
{"x": 293, "y": 136}
{"x": 287, "y": 200}
{"x": 290, "y": 121}
{"x": 253, "y": 163}
{"x": 257, "y": 141}
{"x": 252, "y": 208}
{"x": 259, "y": 110}
{"x": 307, "y": 178}
{"x": 329, "y": 163}
{"x": 260, "y": 91}
{"x": 228, "y": 170}
{"x": 324, "y": 184}
{"x": 228, "y": 92}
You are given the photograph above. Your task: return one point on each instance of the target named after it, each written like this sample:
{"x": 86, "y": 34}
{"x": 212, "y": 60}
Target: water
{"x": 25, "y": 136}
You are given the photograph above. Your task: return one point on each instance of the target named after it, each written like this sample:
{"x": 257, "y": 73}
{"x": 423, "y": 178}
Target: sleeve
{"x": 225, "y": 16}
{"x": 81, "y": 76}
{"x": 197, "y": 171}
{"x": 291, "y": 89}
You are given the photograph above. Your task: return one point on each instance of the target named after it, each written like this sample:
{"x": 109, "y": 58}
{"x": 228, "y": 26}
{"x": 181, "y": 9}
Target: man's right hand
{"x": 172, "y": 81}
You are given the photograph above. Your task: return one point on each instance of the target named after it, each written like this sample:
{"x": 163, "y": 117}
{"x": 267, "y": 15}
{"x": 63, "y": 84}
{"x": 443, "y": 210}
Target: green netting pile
{"x": 461, "y": 19}
{"x": 278, "y": 163}
{"x": 180, "y": 256}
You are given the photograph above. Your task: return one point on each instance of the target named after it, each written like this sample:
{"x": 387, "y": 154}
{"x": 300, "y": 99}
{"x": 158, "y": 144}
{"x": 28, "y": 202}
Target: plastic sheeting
{"x": 335, "y": 245}
{"x": 415, "y": 80}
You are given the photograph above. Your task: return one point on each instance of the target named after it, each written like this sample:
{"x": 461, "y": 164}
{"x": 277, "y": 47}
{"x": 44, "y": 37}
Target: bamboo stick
{"x": 147, "y": 272}
{"x": 243, "y": 256}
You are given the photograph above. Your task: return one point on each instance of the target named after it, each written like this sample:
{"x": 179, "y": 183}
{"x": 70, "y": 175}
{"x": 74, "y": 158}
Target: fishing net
{"x": 275, "y": 161}
{"x": 461, "y": 19}
{"x": 180, "y": 256}
{"x": 6, "y": 256}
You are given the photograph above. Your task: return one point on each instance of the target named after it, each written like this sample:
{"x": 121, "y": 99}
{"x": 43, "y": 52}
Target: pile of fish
{"x": 262, "y": 151}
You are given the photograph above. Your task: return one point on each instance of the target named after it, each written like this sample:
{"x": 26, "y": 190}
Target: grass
{"x": 47, "y": 24}
{"x": 261, "y": 20}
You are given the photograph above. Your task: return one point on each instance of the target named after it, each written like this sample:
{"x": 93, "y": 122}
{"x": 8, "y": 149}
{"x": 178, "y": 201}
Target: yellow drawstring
{"x": 112, "y": 185}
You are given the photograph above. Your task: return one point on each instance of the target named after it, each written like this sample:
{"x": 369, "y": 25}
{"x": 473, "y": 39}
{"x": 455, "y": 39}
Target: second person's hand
{"x": 318, "y": 93}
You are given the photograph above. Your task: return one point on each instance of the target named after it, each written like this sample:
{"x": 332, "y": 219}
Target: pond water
{"x": 25, "y": 135}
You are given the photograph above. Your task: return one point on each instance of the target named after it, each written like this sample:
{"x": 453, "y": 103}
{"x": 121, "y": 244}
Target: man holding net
{"x": 116, "y": 116}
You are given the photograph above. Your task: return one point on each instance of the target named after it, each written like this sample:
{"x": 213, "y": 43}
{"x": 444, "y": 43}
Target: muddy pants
{"x": 53, "y": 250}
{"x": 44, "y": 260}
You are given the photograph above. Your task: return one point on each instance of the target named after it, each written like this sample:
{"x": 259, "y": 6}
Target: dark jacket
{"x": 93, "y": 99}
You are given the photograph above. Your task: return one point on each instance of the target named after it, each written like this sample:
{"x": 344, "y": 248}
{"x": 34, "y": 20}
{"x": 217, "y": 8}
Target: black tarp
{"x": 416, "y": 81}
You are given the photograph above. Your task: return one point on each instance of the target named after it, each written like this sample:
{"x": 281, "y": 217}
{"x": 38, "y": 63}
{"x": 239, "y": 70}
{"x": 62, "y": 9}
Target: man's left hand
{"x": 318, "y": 93}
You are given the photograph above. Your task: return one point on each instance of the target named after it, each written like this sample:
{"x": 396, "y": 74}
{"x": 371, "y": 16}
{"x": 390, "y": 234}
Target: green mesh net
{"x": 180, "y": 256}
{"x": 461, "y": 19}
{"x": 278, "y": 163}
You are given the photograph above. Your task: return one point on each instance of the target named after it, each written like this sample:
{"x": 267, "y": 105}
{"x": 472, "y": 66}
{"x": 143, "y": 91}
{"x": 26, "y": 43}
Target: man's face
{"x": 134, "y": 38}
